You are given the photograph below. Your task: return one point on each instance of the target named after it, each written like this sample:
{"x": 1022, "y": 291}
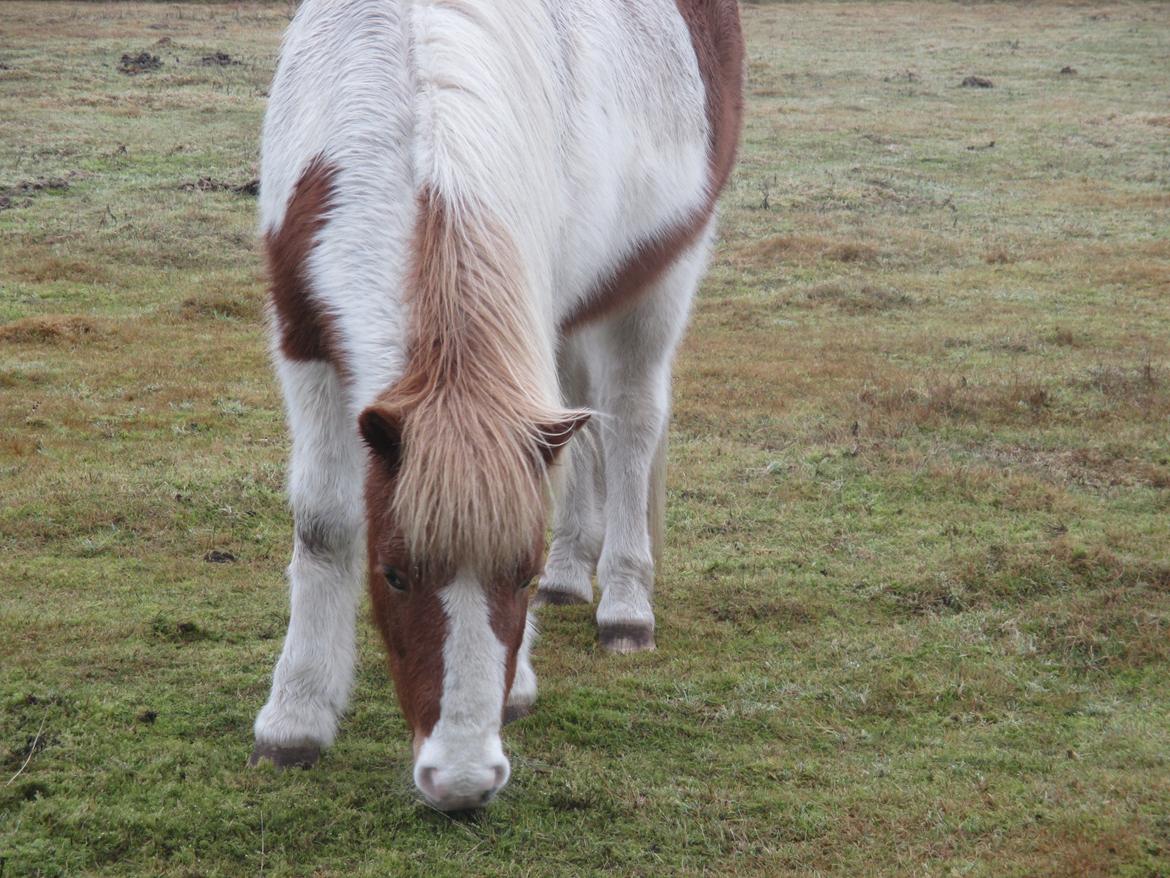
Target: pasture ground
{"x": 915, "y": 606}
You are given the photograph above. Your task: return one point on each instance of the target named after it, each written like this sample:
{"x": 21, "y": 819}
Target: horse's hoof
{"x": 556, "y": 598}
{"x": 513, "y": 712}
{"x": 304, "y": 756}
{"x": 626, "y": 638}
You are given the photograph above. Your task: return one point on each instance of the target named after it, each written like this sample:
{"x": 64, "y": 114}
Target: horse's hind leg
{"x": 632, "y": 373}
{"x": 311, "y": 683}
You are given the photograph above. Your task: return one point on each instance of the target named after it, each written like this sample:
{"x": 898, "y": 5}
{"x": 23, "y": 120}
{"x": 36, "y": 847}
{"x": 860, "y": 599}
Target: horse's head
{"x": 455, "y": 534}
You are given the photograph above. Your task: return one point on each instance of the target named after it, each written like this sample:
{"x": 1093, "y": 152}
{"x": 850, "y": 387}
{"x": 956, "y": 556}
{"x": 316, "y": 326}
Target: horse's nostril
{"x": 426, "y": 782}
{"x": 501, "y": 777}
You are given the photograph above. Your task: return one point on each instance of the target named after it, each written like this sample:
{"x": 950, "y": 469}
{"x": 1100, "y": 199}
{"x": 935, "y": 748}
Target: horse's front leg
{"x": 578, "y": 527}
{"x": 312, "y": 680}
{"x": 635, "y": 351}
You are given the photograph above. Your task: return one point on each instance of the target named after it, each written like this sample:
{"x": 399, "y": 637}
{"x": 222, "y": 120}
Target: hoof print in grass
{"x": 280, "y": 758}
{"x": 976, "y": 82}
{"x": 624, "y": 639}
{"x": 219, "y": 556}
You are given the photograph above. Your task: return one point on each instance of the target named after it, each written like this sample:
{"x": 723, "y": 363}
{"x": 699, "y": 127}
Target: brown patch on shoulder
{"x": 718, "y": 43}
{"x": 306, "y": 331}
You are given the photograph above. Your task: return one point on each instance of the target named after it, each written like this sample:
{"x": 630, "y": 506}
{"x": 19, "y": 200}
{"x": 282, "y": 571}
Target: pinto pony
{"x": 485, "y": 222}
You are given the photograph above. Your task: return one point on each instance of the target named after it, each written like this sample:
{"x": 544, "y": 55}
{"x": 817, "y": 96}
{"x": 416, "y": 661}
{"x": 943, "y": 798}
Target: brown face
{"x": 408, "y": 607}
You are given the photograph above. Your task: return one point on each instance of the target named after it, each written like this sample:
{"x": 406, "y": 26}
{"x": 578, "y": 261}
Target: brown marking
{"x": 718, "y": 43}
{"x": 508, "y": 596}
{"x": 412, "y": 624}
{"x": 306, "y": 330}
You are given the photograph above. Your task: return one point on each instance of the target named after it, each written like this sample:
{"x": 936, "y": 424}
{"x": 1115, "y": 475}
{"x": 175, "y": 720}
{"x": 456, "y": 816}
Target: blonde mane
{"x": 470, "y": 484}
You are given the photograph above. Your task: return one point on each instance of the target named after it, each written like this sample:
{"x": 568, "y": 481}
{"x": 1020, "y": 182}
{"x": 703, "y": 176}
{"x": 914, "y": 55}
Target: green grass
{"x": 915, "y": 611}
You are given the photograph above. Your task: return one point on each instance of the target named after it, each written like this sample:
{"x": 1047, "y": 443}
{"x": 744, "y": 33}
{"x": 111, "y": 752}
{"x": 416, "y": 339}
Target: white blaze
{"x": 462, "y": 759}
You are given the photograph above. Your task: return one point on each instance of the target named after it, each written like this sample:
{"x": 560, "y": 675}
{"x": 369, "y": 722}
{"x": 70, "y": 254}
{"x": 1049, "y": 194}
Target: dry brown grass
{"x": 51, "y": 329}
{"x": 804, "y": 249}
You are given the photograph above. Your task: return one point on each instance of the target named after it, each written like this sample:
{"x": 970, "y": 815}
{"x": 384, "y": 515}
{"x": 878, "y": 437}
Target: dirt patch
{"x": 218, "y": 59}
{"x": 180, "y": 632}
{"x": 210, "y": 184}
{"x": 976, "y": 82}
{"x": 49, "y": 329}
{"x": 1068, "y": 71}
{"x": 22, "y": 193}
{"x": 142, "y": 62}
{"x": 219, "y": 556}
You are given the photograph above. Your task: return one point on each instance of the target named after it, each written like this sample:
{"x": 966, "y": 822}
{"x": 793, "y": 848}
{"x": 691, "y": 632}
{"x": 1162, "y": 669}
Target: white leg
{"x": 522, "y": 696}
{"x": 311, "y": 683}
{"x": 633, "y": 372}
{"x": 577, "y": 521}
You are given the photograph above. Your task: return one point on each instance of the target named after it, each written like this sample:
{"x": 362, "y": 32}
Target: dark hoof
{"x": 304, "y": 756}
{"x": 556, "y": 598}
{"x": 626, "y": 638}
{"x": 513, "y": 712}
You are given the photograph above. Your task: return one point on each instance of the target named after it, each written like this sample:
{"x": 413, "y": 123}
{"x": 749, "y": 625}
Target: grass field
{"x": 914, "y": 617}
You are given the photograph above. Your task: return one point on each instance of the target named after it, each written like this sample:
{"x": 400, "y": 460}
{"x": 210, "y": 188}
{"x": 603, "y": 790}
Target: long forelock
{"x": 471, "y": 483}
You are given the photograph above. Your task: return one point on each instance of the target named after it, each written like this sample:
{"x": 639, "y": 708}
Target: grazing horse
{"x": 485, "y": 221}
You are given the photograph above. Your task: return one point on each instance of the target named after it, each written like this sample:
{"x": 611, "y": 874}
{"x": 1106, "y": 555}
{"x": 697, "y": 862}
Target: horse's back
{"x": 636, "y": 115}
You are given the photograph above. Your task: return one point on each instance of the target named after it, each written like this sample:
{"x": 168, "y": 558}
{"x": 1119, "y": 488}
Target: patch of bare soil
{"x": 142, "y": 62}
{"x": 976, "y": 82}
{"x": 218, "y": 59}
{"x": 21, "y": 194}
{"x": 210, "y": 184}
{"x": 51, "y": 329}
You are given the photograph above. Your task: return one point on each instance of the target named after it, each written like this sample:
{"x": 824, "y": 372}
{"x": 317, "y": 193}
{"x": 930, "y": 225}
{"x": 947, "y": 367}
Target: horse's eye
{"x": 394, "y": 579}
{"x": 523, "y": 584}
